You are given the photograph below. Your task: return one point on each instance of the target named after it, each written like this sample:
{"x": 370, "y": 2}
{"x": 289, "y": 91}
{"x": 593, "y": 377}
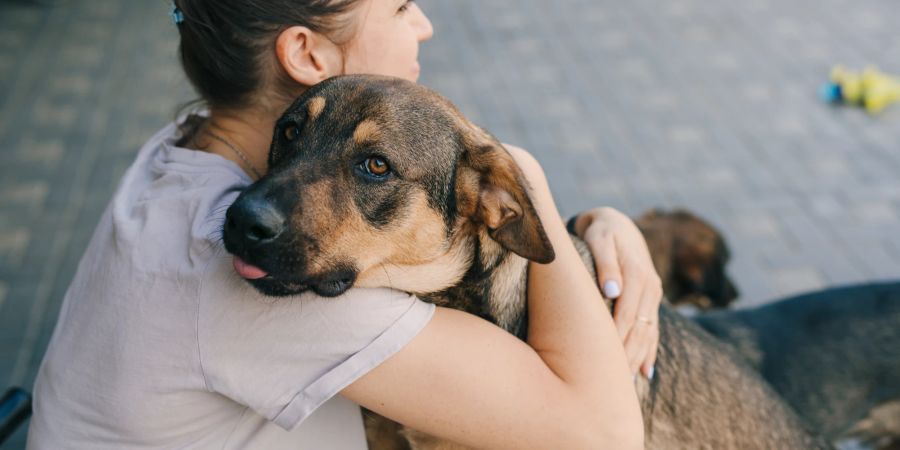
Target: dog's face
{"x": 690, "y": 256}
{"x": 371, "y": 182}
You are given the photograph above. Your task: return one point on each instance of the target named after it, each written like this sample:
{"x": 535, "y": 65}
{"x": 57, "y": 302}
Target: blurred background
{"x": 710, "y": 106}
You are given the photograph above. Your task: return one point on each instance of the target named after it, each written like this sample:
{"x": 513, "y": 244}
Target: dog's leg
{"x": 383, "y": 433}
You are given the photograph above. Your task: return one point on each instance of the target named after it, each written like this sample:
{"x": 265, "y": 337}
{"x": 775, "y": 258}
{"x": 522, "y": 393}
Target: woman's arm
{"x": 467, "y": 380}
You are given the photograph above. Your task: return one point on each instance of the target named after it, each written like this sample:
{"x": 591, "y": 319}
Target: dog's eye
{"x": 375, "y": 167}
{"x": 291, "y": 132}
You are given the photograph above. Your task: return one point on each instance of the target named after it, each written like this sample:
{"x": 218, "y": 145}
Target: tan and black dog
{"x": 380, "y": 182}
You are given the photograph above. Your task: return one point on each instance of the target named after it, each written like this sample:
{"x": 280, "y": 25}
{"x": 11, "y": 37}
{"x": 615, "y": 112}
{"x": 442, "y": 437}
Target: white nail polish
{"x": 611, "y": 289}
{"x": 650, "y": 373}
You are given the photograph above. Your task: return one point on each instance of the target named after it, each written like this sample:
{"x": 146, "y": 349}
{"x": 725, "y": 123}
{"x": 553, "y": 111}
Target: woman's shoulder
{"x": 285, "y": 356}
{"x": 173, "y": 191}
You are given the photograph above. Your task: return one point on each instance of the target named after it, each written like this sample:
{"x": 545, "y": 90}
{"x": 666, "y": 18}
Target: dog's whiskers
{"x": 217, "y": 235}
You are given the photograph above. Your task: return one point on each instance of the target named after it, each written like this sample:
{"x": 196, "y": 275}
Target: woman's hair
{"x": 228, "y": 46}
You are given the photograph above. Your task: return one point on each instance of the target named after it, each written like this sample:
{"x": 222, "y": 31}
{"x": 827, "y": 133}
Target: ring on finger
{"x": 645, "y": 319}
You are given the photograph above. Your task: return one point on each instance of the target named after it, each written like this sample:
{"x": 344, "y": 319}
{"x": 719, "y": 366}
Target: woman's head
{"x": 241, "y": 53}
{"x": 387, "y": 39}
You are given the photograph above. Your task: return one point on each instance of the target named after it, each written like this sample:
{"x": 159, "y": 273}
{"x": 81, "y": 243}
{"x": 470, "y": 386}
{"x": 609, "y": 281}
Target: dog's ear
{"x": 504, "y": 206}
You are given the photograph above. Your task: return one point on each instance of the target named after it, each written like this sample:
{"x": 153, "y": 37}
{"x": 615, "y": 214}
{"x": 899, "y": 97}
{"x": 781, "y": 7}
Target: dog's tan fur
{"x": 316, "y": 106}
{"x": 366, "y": 132}
{"x": 880, "y": 428}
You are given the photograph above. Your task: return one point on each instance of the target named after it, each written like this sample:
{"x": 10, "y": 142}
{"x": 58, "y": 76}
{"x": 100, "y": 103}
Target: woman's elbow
{"x": 631, "y": 439}
{"x": 620, "y": 433}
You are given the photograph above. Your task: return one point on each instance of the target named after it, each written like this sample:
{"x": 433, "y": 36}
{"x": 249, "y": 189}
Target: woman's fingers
{"x": 648, "y": 320}
{"x": 637, "y": 345}
{"x": 648, "y": 368}
{"x": 628, "y": 304}
{"x": 643, "y": 335}
{"x": 609, "y": 274}
{"x": 642, "y": 341}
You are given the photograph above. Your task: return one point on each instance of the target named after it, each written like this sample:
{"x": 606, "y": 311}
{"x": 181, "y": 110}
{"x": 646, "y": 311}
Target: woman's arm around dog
{"x": 464, "y": 379}
{"x": 625, "y": 270}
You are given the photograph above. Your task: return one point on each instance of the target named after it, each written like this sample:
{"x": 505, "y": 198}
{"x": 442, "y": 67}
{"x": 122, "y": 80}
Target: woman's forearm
{"x": 571, "y": 329}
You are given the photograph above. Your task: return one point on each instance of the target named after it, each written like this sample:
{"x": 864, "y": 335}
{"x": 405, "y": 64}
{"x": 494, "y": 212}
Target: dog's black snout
{"x": 255, "y": 219}
{"x": 731, "y": 291}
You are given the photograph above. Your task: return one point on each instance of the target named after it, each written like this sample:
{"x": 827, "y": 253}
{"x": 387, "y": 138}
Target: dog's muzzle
{"x": 257, "y": 233}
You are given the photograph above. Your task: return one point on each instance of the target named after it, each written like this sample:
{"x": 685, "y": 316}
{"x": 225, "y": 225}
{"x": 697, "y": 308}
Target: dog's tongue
{"x": 246, "y": 270}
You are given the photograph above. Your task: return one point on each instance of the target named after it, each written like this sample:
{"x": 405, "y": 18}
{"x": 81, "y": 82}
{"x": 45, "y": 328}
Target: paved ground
{"x": 707, "y": 105}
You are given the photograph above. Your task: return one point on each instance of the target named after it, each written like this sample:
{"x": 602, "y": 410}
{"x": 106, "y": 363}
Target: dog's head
{"x": 690, "y": 256}
{"x": 375, "y": 181}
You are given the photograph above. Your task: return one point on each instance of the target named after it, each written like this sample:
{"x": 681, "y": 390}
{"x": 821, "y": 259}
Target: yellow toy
{"x": 871, "y": 89}
{"x": 849, "y": 84}
{"x": 880, "y": 90}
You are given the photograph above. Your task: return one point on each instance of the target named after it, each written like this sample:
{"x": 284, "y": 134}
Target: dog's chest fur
{"x": 493, "y": 287}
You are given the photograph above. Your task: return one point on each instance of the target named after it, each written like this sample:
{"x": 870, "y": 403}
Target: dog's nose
{"x": 732, "y": 291}
{"x": 255, "y": 219}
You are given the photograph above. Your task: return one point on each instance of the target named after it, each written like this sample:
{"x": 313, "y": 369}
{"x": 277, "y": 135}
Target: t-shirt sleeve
{"x": 283, "y": 357}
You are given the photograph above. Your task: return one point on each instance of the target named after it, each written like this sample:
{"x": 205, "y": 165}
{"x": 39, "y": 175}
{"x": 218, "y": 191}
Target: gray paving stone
{"x": 797, "y": 279}
{"x": 876, "y": 213}
{"x": 881, "y": 264}
{"x": 13, "y": 244}
{"x": 71, "y": 83}
{"x": 46, "y": 152}
{"x": 753, "y": 283}
{"x": 24, "y": 196}
{"x": 46, "y": 113}
{"x": 82, "y": 56}
{"x": 756, "y": 225}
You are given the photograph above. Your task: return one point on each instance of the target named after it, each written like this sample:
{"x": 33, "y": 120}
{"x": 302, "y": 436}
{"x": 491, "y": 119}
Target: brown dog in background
{"x": 690, "y": 256}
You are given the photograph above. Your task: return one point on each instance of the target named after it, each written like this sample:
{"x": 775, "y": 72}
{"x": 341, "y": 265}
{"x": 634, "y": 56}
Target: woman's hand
{"x": 626, "y": 273}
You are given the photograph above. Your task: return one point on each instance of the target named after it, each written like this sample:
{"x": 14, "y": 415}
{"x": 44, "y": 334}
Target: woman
{"x": 160, "y": 344}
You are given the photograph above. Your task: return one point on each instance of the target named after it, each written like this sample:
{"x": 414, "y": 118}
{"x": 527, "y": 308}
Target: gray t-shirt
{"x": 159, "y": 344}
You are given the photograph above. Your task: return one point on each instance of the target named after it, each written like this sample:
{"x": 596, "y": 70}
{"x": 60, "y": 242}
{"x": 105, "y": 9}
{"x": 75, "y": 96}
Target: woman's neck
{"x": 249, "y": 133}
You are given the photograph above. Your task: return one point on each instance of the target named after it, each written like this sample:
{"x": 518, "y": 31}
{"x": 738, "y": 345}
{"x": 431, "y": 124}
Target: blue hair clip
{"x": 177, "y": 15}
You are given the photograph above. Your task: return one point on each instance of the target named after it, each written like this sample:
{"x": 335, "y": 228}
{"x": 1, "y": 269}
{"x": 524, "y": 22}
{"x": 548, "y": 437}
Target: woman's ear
{"x": 307, "y": 57}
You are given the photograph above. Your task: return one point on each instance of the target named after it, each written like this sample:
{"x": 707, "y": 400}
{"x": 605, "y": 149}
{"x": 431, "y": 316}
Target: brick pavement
{"x": 706, "y": 105}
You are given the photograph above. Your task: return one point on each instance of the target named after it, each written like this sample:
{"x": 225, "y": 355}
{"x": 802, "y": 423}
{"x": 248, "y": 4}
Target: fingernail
{"x": 611, "y": 289}
{"x": 634, "y": 378}
{"x": 650, "y": 373}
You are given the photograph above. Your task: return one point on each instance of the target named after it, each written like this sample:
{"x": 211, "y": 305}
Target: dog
{"x": 690, "y": 256}
{"x": 833, "y": 355}
{"x": 390, "y": 186}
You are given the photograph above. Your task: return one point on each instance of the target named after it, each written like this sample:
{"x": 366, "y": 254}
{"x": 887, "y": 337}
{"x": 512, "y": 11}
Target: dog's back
{"x": 833, "y": 355}
{"x": 704, "y": 395}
